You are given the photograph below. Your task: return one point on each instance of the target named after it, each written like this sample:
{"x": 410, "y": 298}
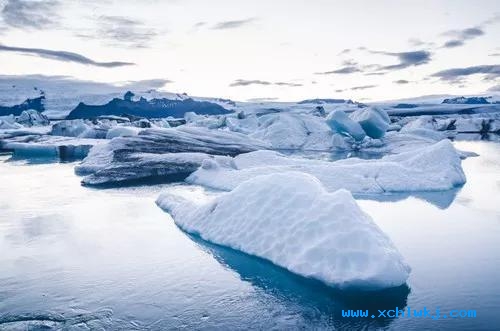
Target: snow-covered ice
{"x": 429, "y": 168}
{"x": 122, "y": 131}
{"x": 290, "y": 219}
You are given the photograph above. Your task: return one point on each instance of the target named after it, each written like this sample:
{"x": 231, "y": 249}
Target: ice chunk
{"x": 32, "y": 117}
{"x": 291, "y": 220}
{"x": 374, "y": 121}
{"x": 341, "y": 123}
{"x": 9, "y": 123}
{"x": 122, "y": 131}
{"x": 295, "y": 131}
{"x": 174, "y": 152}
{"x": 64, "y": 148}
{"x": 430, "y": 168}
{"x": 70, "y": 128}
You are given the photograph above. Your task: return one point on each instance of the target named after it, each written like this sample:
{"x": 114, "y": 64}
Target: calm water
{"x": 78, "y": 258}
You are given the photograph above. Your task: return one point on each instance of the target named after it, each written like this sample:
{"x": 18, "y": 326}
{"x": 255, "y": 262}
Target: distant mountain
{"x": 154, "y": 108}
{"x": 16, "y": 110}
{"x": 467, "y": 101}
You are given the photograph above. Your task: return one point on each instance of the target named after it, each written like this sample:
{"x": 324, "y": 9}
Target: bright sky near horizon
{"x": 279, "y": 49}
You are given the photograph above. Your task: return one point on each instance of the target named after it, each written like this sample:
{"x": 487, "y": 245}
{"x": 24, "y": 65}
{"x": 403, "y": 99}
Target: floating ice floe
{"x": 173, "y": 152}
{"x": 429, "y": 168}
{"x": 290, "y": 219}
{"x": 63, "y": 148}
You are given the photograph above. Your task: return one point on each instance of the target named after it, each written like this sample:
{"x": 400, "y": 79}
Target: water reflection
{"x": 440, "y": 199}
{"x": 316, "y": 300}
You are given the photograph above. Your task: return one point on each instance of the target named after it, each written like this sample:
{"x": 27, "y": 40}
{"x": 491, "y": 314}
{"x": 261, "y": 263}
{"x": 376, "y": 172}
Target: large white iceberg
{"x": 291, "y": 220}
{"x": 430, "y": 168}
{"x": 296, "y": 131}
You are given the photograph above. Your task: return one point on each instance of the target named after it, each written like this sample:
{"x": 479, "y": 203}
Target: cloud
{"x": 121, "y": 31}
{"x": 453, "y": 43}
{"x": 244, "y": 82}
{"x": 420, "y": 43}
{"x": 460, "y": 36}
{"x": 232, "y": 24}
{"x": 494, "y": 88}
{"x": 406, "y": 59}
{"x": 401, "y": 81}
{"x": 362, "y": 87}
{"x": 344, "y": 70}
{"x": 147, "y": 84}
{"x": 29, "y": 14}
{"x": 62, "y": 56}
{"x": 454, "y": 74}
{"x": 288, "y": 84}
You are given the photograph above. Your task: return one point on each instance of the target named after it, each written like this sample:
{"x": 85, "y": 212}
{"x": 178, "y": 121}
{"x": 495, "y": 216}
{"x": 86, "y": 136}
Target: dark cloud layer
{"x": 29, "y": 14}
{"x": 62, "y": 56}
{"x": 406, "y": 59}
{"x": 362, "y": 87}
{"x": 491, "y": 71}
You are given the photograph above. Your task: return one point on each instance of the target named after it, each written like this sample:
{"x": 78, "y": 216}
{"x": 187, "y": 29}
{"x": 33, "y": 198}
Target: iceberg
{"x": 296, "y": 131}
{"x": 32, "y": 117}
{"x": 153, "y": 153}
{"x": 374, "y": 121}
{"x": 291, "y": 220}
{"x": 64, "y": 148}
{"x": 339, "y": 122}
{"x": 434, "y": 167}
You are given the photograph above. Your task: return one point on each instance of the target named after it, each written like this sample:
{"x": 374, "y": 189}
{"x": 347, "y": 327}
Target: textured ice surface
{"x": 430, "y": 168}
{"x": 291, "y": 220}
{"x": 341, "y": 123}
{"x": 295, "y": 131}
{"x": 160, "y": 152}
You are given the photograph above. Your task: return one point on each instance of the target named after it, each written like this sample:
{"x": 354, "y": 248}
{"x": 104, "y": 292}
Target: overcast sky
{"x": 276, "y": 49}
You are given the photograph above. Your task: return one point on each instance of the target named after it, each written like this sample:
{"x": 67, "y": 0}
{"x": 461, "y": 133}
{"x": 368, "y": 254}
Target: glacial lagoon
{"x": 74, "y": 257}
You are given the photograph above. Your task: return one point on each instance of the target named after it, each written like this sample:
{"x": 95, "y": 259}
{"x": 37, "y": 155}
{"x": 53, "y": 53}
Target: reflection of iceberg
{"x": 442, "y": 199}
{"x": 313, "y": 300}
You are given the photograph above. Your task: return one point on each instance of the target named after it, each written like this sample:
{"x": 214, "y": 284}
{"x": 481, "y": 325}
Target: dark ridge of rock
{"x": 154, "y": 108}
{"x": 322, "y": 101}
{"x": 467, "y": 101}
{"x": 16, "y": 110}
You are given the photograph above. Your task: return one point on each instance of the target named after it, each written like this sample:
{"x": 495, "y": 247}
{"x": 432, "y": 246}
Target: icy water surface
{"x": 79, "y": 258}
